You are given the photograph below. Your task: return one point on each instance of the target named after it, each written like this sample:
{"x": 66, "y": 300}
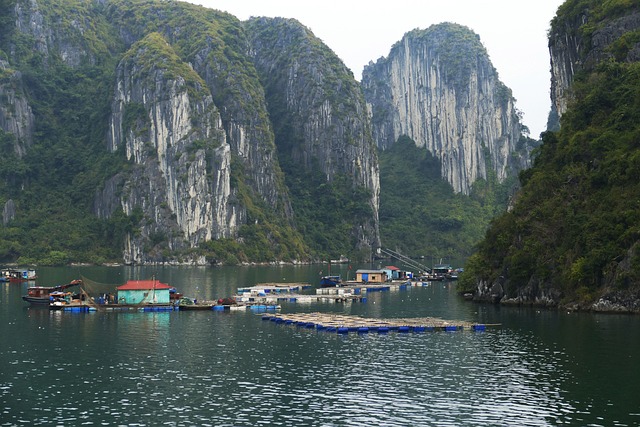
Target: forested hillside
{"x": 572, "y": 236}
{"x": 150, "y": 131}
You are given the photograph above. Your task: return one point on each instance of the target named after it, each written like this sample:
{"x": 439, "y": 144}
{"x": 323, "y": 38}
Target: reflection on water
{"x": 233, "y": 369}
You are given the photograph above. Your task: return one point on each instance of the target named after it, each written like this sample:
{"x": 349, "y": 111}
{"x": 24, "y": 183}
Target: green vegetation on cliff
{"x": 421, "y": 215}
{"x": 576, "y": 224}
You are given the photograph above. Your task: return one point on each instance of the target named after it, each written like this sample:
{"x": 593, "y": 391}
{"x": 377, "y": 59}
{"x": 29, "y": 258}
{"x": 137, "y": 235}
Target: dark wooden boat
{"x": 41, "y": 295}
{"x": 188, "y": 307}
{"x": 330, "y": 281}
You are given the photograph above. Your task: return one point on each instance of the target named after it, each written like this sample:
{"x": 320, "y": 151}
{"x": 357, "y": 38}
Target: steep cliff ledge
{"x": 438, "y": 87}
{"x": 586, "y": 33}
{"x": 322, "y": 129}
{"x": 16, "y": 117}
{"x": 172, "y": 133}
{"x": 572, "y": 237}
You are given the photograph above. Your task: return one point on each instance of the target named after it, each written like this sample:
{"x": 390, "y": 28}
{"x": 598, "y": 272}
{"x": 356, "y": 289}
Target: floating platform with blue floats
{"x": 343, "y": 324}
{"x": 270, "y": 299}
{"x": 85, "y": 307}
{"x": 274, "y": 288}
{"x": 276, "y": 293}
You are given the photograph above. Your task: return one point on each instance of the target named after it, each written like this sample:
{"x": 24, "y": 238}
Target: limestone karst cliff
{"x": 319, "y": 115}
{"x": 571, "y": 239}
{"x": 438, "y": 87}
{"x": 584, "y": 34}
{"x": 172, "y": 133}
{"x": 16, "y": 116}
{"x": 146, "y": 125}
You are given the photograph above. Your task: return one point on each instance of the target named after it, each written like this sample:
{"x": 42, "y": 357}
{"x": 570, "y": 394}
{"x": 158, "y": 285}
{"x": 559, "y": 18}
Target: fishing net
{"x": 95, "y": 289}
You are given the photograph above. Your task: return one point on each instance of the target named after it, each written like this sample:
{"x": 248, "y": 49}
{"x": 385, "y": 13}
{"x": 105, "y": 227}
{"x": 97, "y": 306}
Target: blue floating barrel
{"x": 218, "y": 307}
{"x": 403, "y": 329}
{"x": 279, "y": 320}
{"x": 274, "y": 319}
{"x": 310, "y": 325}
{"x": 353, "y": 328}
{"x": 403, "y": 287}
{"x": 320, "y": 327}
{"x": 331, "y": 329}
{"x": 356, "y": 291}
{"x": 430, "y": 328}
{"x": 363, "y": 299}
{"x": 288, "y": 322}
{"x": 266, "y": 317}
{"x": 383, "y": 329}
{"x": 450, "y": 328}
{"x": 363, "y": 330}
{"x": 418, "y": 329}
{"x": 343, "y": 330}
{"x": 293, "y": 299}
{"x": 479, "y": 327}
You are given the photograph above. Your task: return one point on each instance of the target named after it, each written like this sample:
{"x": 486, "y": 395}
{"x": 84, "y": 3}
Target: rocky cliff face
{"x": 16, "y": 116}
{"x": 172, "y": 133}
{"x": 580, "y": 38}
{"x": 590, "y": 42}
{"x": 438, "y": 87}
{"x": 318, "y": 111}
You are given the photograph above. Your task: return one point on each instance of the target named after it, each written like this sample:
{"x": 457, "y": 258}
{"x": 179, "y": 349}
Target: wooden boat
{"x": 41, "y": 295}
{"x": 18, "y": 275}
{"x": 330, "y": 281}
{"x": 195, "y": 306}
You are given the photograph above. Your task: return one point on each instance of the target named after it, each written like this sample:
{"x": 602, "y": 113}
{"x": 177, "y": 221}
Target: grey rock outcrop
{"x": 314, "y": 96}
{"x": 8, "y": 212}
{"x": 170, "y": 130}
{"x": 16, "y": 116}
{"x": 438, "y": 87}
{"x": 576, "y": 43}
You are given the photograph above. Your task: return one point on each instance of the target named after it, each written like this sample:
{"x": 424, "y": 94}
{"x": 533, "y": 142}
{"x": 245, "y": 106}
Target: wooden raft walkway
{"x": 344, "y": 324}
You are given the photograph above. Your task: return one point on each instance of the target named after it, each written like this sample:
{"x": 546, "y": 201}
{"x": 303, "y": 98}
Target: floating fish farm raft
{"x": 343, "y": 324}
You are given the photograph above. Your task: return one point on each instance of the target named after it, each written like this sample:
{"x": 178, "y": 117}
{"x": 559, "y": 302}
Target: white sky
{"x": 514, "y": 32}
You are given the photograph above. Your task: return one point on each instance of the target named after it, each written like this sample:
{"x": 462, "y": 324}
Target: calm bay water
{"x": 233, "y": 369}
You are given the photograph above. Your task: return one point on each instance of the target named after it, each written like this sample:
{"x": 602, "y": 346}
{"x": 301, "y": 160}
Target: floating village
{"x": 265, "y": 300}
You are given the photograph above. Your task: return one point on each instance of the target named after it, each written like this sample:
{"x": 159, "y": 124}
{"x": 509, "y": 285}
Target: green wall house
{"x": 143, "y": 292}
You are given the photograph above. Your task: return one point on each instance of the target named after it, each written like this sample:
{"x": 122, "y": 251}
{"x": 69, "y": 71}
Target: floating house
{"x": 394, "y": 273}
{"x": 371, "y": 276}
{"x": 144, "y": 292}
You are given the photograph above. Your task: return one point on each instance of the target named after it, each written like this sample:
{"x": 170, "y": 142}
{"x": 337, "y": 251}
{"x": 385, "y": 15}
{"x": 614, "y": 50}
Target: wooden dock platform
{"x": 343, "y": 324}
